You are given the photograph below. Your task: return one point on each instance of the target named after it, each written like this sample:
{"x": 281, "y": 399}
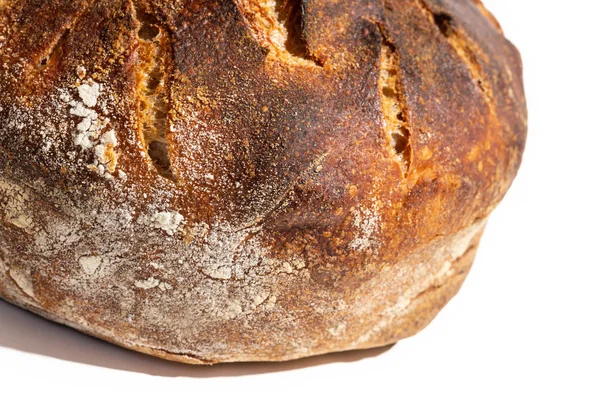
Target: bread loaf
{"x": 241, "y": 180}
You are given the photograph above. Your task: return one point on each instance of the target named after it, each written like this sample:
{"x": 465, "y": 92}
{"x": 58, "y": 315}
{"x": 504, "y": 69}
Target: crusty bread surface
{"x": 250, "y": 180}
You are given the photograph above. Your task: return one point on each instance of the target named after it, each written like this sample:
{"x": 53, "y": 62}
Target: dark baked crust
{"x": 242, "y": 195}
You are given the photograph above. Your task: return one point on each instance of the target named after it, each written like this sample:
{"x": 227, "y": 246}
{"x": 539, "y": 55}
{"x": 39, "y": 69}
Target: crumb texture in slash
{"x": 278, "y": 24}
{"x": 394, "y": 107}
{"x": 153, "y": 85}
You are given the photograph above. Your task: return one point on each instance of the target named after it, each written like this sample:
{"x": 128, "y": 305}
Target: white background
{"x": 524, "y": 326}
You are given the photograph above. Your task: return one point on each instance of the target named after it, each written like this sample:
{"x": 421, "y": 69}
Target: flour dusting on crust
{"x": 234, "y": 198}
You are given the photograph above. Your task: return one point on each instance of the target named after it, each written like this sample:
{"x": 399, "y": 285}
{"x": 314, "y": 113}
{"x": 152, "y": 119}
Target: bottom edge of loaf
{"x": 422, "y": 310}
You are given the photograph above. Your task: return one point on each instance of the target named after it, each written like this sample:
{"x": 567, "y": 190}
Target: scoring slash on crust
{"x": 154, "y": 71}
{"x": 393, "y": 102}
{"x": 279, "y": 26}
{"x": 52, "y": 55}
{"x": 462, "y": 45}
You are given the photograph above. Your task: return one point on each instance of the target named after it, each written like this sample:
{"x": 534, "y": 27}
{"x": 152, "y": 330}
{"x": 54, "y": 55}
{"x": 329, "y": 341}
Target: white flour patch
{"x": 367, "y": 222}
{"x": 260, "y": 298}
{"x": 147, "y": 284}
{"x": 220, "y": 257}
{"x": 88, "y": 128}
{"x": 23, "y": 280}
{"x": 13, "y": 205}
{"x": 232, "y": 310}
{"x": 90, "y": 264}
{"x": 170, "y": 222}
{"x": 90, "y": 133}
{"x": 106, "y": 158}
{"x": 89, "y": 93}
{"x": 81, "y": 72}
{"x": 338, "y": 330}
{"x": 109, "y": 139}
{"x": 157, "y": 266}
{"x": 218, "y": 272}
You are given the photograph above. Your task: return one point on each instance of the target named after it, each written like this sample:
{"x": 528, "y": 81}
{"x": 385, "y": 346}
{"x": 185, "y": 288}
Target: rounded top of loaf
{"x": 222, "y": 135}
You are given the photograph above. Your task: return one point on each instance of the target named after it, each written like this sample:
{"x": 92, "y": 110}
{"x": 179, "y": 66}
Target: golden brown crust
{"x": 247, "y": 180}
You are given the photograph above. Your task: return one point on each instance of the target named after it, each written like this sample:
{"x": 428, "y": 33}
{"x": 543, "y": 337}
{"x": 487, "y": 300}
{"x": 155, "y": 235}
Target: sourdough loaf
{"x": 239, "y": 180}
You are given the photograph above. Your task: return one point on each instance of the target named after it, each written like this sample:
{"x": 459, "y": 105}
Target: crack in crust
{"x": 53, "y": 54}
{"x": 57, "y": 48}
{"x": 279, "y": 25}
{"x": 153, "y": 88}
{"x": 393, "y": 102}
{"x": 179, "y": 356}
{"x": 463, "y": 46}
{"x": 285, "y": 193}
{"x": 22, "y": 281}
